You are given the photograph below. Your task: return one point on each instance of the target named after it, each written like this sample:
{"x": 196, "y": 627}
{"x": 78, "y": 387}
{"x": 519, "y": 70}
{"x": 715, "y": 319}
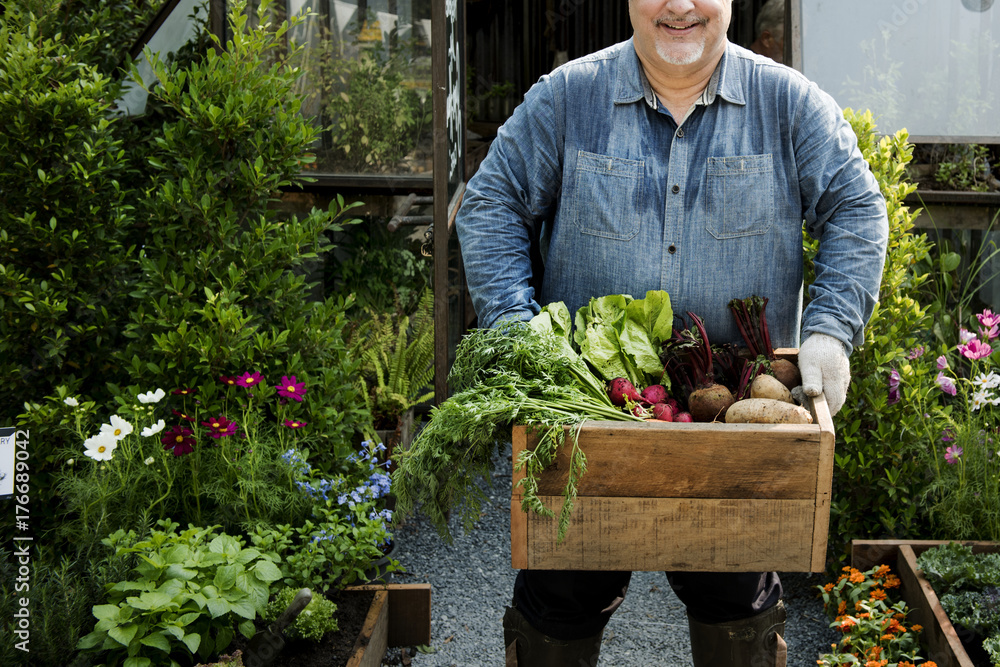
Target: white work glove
{"x": 825, "y": 368}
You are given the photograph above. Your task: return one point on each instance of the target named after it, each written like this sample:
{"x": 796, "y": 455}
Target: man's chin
{"x": 680, "y": 57}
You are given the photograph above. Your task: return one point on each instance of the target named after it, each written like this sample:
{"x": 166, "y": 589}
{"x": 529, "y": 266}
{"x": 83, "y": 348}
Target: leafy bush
{"x": 191, "y": 588}
{"x": 954, "y": 566}
{"x": 223, "y": 279}
{"x": 315, "y": 620}
{"x": 877, "y": 480}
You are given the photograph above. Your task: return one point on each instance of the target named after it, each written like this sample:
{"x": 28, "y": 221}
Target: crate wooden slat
{"x": 685, "y": 497}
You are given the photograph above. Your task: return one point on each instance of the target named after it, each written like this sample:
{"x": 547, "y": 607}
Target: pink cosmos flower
{"x": 893, "y": 387}
{"x": 220, "y": 427}
{"x": 965, "y": 335}
{"x": 942, "y": 363}
{"x": 227, "y": 380}
{"x": 946, "y": 383}
{"x": 988, "y": 318}
{"x": 294, "y": 423}
{"x": 183, "y": 416}
{"x": 975, "y": 349}
{"x": 989, "y": 333}
{"x": 291, "y": 388}
{"x": 916, "y": 352}
{"x": 250, "y": 379}
{"x": 184, "y": 391}
{"x": 180, "y": 439}
{"x": 952, "y": 454}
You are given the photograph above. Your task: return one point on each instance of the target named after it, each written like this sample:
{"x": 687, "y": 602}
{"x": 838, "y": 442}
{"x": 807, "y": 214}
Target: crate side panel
{"x": 675, "y": 534}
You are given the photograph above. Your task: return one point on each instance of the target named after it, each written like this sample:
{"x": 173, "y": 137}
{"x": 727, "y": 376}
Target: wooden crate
{"x": 687, "y": 497}
{"x": 400, "y": 615}
{"x": 940, "y": 638}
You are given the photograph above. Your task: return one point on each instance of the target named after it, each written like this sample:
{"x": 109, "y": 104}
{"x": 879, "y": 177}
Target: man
{"x": 770, "y": 30}
{"x": 675, "y": 161}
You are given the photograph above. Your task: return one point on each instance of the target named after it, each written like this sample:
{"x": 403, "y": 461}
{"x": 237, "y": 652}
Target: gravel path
{"x": 472, "y": 581}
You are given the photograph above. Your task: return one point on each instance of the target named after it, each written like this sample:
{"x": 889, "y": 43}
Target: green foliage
{"x": 315, "y": 620}
{"x": 397, "y": 353}
{"x": 953, "y": 566}
{"x": 224, "y": 280}
{"x": 189, "y": 590}
{"x": 376, "y": 120}
{"x": 63, "y": 217}
{"x": 964, "y": 167}
{"x": 978, "y": 611}
{"x": 877, "y": 480}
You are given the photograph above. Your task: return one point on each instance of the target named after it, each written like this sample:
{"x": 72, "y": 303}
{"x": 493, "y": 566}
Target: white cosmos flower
{"x": 101, "y": 446}
{"x": 153, "y": 430}
{"x": 118, "y": 428}
{"x": 71, "y": 402}
{"x": 151, "y": 396}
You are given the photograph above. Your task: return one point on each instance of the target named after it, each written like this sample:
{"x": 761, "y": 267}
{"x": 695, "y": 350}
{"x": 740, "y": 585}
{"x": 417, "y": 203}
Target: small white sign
{"x": 7, "y": 448}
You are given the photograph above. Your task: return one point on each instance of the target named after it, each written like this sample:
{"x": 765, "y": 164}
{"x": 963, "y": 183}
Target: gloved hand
{"x": 825, "y": 368}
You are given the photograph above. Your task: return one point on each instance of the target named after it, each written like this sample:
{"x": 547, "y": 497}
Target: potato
{"x": 766, "y": 411}
{"x": 766, "y": 386}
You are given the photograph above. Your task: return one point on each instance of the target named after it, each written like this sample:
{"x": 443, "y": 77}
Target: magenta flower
{"x": 294, "y": 423}
{"x": 947, "y": 436}
{"x": 989, "y": 333}
{"x": 185, "y": 391}
{"x": 893, "y": 387}
{"x": 183, "y": 416}
{"x": 975, "y": 349}
{"x": 965, "y": 335}
{"x": 988, "y": 318}
{"x": 180, "y": 439}
{"x": 942, "y": 363}
{"x": 291, "y": 388}
{"x": 228, "y": 380}
{"x": 916, "y": 352}
{"x": 946, "y": 383}
{"x": 220, "y": 427}
{"x": 249, "y": 379}
{"x": 952, "y": 454}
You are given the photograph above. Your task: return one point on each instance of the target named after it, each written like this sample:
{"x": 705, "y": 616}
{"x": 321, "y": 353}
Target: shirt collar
{"x": 632, "y": 84}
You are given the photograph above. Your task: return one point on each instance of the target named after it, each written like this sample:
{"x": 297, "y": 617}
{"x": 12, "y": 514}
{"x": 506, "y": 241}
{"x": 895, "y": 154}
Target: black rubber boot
{"x": 750, "y": 642}
{"x": 527, "y": 647}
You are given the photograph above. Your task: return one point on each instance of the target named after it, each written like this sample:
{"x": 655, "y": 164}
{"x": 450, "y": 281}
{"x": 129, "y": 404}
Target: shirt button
{"x": 672, "y": 249}
{"x": 680, "y": 132}
{"x": 675, "y": 189}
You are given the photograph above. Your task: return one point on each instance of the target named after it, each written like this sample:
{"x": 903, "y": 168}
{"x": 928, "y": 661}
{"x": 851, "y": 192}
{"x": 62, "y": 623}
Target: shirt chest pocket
{"x": 607, "y": 195}
{"x": 740, "y": 195}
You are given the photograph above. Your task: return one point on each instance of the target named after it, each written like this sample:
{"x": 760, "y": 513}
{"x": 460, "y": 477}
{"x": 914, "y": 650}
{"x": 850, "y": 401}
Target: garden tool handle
{"x": 299, "y": 602}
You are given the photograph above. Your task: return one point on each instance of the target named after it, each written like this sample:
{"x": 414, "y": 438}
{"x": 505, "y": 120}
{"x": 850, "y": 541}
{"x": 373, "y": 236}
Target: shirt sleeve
{"x": 844, "y": 209}
{"x": 516, "y": 187}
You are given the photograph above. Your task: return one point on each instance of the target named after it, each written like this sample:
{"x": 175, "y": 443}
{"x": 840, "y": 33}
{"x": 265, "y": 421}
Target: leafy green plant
{"x": 376, "y": 120}
{"x": 189, "y": 591}
{"x": 877, "y": 479}
{"x": 315, "y": 620}
{"x": 965, "y": 167}
{"x": 223, "y": 277}
{"x": 953, "y": 566}
{"x": 397, "y": 353}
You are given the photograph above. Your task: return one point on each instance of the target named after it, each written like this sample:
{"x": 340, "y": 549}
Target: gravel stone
{"x": 472, "y": 582}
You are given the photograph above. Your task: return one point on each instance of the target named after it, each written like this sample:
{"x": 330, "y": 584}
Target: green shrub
{"x": 315, "y": 620}
{"x": 877, "y": 479}
{"x": 224, "y": 281}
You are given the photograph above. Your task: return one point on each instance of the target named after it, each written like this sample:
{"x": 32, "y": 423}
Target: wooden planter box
{"x": 940, "y": 638}
{"x": 688, "y": 497}
{"x": 400, "y": 615}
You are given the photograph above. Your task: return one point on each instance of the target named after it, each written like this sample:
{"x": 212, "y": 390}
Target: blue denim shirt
{"x": 593, "y": 176}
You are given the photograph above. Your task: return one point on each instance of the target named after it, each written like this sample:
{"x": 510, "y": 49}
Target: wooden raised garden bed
{"x": 400, "y": 615}
{"x": 939, "y": 636}
{"x": 694, "y": 497}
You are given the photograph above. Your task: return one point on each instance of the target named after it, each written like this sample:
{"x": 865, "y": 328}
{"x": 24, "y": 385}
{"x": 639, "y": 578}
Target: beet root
{"x": 684, "y": 417}
{"x": 620, "y": 391}
{"x": 786, "y": 372}
{"x": 710, "y": 403}
{"x": 662, "y": 412}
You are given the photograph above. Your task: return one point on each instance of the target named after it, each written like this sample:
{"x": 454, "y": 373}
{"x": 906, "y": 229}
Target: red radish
{"x": 621, "y": 391}
{"x": 674, "y": 405}
{"x": 654, "y": 393}
{"x": 640, "y": 412}
{"x": 663, "y": 412}
{"x": 683, "y": 417}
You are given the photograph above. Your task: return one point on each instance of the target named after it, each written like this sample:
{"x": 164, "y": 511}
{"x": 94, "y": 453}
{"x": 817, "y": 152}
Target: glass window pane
{"x": 931, "y": 67}
{"x": 368, "y": 84}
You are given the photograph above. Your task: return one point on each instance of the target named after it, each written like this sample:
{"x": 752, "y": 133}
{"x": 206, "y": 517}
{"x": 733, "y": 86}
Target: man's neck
{"x": 676, "y": 87}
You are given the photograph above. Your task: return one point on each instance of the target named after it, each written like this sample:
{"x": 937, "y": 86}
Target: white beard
{"x": 689, "y": 55}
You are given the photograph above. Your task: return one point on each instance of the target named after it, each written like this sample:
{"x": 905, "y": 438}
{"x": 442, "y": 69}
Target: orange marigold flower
{"x": 892, "y": 581}
{"x": 864, "y": 615}
{"x": 894, "y": 626}
{"x": 878, "y": 594}
{"x": 881, "y": 571}
{"x": 858, "y": 606}
{"x": 856, "y": 577}
{"x": 842, "y": 607}
{"x": 905, "y": 663}
{"x": 847, "y": 624}
{"x": 874, "y": 651}
{"x": 929, "y": 663}
{"x": 828, "y": 588}
{"x": 847, "y": 568}
{"x": 841, "y": 578}
{"x": 916, "y": 627}
{"x": 887, "y": 638}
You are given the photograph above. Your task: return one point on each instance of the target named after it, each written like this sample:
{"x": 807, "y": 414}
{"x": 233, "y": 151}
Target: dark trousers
{"x": 570, "y": 605}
